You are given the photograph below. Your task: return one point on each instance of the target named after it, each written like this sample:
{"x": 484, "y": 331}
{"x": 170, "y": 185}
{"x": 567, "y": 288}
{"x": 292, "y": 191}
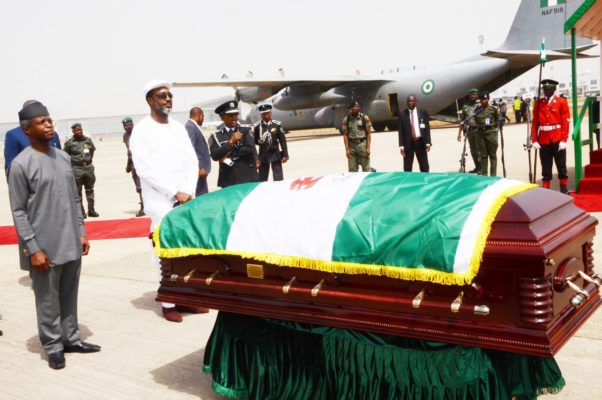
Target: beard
{"x": 162, "y": 110}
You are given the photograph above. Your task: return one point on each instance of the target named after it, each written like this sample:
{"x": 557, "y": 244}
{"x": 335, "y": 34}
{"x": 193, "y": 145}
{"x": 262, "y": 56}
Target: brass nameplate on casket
{"x": 255, "y": 271}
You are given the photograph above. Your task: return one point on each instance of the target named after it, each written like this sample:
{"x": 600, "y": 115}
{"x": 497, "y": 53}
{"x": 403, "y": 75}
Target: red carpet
{"x": 592, "y": 179}
{"x": 96, "y": 230}
{"x": 588, "y": 202}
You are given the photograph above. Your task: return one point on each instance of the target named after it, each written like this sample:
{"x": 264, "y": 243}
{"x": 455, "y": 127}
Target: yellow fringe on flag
{"x": 395, "y": 272}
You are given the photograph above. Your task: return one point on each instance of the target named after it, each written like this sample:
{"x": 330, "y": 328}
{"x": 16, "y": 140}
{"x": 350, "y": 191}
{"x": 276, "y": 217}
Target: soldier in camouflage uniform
{"x": 471, "y": 129}
{"x": 356, "y": 135}
{"x": 486, "y": 122}
{"x": 81, "y": 149}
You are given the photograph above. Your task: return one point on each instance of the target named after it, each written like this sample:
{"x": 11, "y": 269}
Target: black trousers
{"x": 408, "y": 159}
{"x": 264, "y": 171}
{"x": 549, "y": 153}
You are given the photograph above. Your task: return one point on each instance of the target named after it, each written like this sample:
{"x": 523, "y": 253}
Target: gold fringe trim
{"x": 485, "y": 229}
{"x": 395, "y": 272}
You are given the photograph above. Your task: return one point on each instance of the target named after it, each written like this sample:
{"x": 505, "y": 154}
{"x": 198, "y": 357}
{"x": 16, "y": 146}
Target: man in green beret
{"x": 356, "y": 128}
{"x": 81, "y": 149}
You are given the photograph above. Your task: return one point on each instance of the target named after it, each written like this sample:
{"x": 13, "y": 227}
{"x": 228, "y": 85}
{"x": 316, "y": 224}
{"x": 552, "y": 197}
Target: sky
{"x": 88, "y": 58}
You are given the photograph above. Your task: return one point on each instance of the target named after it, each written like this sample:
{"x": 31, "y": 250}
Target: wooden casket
{"x": 534, "y": 284}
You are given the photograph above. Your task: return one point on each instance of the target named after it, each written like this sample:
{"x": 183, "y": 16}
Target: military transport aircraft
{"x": 315, "y": 103}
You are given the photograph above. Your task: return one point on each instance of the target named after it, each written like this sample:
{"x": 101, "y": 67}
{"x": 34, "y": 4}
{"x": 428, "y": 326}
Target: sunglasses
{"x": 164, "y": 95}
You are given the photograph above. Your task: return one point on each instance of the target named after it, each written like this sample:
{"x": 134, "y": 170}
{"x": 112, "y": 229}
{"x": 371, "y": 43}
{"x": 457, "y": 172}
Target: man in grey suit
{"x": 193, "y": 127}
{"x": 50, "y": 225}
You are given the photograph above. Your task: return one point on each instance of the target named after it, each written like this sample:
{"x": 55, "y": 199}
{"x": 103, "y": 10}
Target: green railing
{"x": 587, "y": 106}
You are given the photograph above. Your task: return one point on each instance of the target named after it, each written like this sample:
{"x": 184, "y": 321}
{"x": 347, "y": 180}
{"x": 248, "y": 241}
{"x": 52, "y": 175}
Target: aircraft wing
{"x": 280, "y": 83}
{"x": 252, "y": 90}
{"x": 532, "y": 56}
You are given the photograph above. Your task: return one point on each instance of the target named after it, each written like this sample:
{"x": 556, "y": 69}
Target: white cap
{"x": 156, "y": 83}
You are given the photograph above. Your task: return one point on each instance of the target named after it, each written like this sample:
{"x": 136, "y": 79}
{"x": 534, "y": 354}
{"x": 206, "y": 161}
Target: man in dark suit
{"x": 414, "y": 136}
{"x": 233, "y": 146}
{"x": 269, "y": 136}
{"x": 193, "y": 127}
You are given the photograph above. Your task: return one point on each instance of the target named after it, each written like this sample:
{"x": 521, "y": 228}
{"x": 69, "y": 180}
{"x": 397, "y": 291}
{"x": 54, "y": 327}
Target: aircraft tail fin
{"x": 538, "y": 19}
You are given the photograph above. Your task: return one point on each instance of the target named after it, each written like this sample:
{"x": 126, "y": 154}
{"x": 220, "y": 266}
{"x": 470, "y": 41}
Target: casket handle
{"x": 583, "y": 293}
{"x": 316, "y": 289}
{"x": 189, "y": 275}
{"x": 596, "y": 279}
{"x": 210, "y": 278}
{"x": 418, "y": 299}
{"x": 287, "y": 287}
{"x": 455, "y": 305}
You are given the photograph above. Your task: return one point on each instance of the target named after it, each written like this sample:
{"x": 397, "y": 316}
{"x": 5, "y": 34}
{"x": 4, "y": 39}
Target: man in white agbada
{"x": 166, "y": 163}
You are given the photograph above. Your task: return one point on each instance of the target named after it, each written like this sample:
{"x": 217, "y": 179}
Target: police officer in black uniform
{"x": 269, "y": 136}
{"x": 234, "y": 147}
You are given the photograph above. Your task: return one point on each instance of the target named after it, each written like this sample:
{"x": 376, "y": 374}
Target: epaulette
{"x": 245, "y": 126}
{"x": 276, "y": 122}
{"x": 256, "y": 124}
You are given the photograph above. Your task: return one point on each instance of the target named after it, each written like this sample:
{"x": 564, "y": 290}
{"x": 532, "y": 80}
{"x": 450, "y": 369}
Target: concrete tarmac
{"x": 145, "y": 357}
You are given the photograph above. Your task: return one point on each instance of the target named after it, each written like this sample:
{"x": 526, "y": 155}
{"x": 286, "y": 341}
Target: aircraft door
{"x": 394, "y": 105}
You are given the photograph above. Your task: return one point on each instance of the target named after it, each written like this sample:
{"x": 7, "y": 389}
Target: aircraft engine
{"x": 296, "y": 102}
{"x": 330, "y": 116}
{"x": 253, "y": 94}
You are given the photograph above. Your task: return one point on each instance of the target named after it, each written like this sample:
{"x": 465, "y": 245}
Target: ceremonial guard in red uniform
{"x": 550, "y": 132}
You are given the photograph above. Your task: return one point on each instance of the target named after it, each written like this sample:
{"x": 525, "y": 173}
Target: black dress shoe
{"x": 474, "y": 171}
{"x": 82, "y": 347}
{"x": 56, "y": 360}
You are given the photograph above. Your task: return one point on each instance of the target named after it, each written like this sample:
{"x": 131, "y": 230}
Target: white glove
{"x": 536, "y": 146}
{"x": 561, "y": 146}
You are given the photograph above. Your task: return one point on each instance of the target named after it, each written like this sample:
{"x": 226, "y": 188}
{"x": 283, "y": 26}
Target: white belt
{"x": 549, "y": 127}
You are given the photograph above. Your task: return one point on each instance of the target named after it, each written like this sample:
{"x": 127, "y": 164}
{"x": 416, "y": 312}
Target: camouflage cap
{"x": 73, "y": 125}
{"x": 473, "y": 90}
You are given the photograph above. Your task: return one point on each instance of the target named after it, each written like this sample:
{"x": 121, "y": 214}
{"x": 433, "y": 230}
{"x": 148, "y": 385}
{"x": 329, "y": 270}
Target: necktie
{"x": 412, "y": 124}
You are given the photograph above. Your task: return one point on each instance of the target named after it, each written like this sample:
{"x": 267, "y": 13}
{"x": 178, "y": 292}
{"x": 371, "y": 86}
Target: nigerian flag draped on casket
{"x": 429, "y": 227}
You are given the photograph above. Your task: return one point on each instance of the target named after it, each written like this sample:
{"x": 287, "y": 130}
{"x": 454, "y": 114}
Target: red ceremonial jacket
{"x": 548, "y": 115}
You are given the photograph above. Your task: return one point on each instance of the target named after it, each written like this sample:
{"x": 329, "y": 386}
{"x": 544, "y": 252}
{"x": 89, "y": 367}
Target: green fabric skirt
{"x": 261, "y": 358}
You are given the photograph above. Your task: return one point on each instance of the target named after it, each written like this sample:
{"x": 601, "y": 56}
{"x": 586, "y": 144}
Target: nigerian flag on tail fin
{"x": 551, "y": 3}
{"x": 429, "y": 227}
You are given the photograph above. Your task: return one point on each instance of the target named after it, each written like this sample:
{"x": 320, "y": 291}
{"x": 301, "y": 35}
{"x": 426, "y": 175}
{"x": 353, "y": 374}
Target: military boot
{"x": 91, "y": 211}
{"x": 476, "y": 169}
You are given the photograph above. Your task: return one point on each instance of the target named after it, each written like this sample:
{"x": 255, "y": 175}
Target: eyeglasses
{"x": 164, "y": 95}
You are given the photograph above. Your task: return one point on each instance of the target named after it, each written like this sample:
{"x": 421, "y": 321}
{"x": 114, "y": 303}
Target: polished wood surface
{"x": 520, "y": 301}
